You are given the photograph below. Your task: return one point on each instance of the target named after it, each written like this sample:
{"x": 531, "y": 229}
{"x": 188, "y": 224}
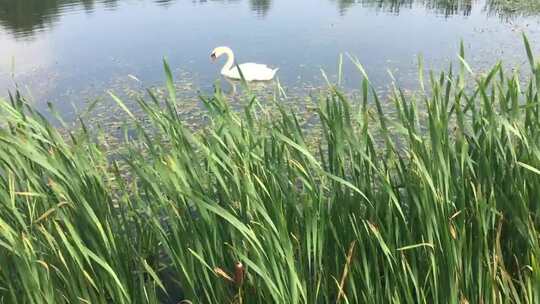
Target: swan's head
{"x": 219, "y": 51}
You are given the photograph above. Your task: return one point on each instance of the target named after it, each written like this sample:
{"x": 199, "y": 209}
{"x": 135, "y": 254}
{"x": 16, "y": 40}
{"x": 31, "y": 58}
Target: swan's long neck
{"x": 230, "y": 61}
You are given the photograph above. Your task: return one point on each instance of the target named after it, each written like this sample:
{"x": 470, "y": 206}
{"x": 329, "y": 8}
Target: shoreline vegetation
{"x": 437, "y": 204}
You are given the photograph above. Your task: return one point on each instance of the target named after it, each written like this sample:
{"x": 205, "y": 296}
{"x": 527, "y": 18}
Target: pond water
{"x": 69, "y": 51}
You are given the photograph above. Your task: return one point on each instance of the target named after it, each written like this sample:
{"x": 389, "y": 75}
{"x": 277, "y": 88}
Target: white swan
{"x": 250, "y": 71}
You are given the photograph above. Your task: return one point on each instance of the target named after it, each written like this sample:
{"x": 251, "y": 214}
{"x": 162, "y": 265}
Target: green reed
{"x": 437, "y": 203}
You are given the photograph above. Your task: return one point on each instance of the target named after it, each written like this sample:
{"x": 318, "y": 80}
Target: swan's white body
{"x": 250, "y": 71}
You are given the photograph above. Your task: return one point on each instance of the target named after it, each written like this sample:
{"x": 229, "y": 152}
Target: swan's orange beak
{"x": 213, "y": 57}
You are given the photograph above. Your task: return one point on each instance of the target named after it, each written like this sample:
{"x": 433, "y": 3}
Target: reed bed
{"x": 438, "y": 203}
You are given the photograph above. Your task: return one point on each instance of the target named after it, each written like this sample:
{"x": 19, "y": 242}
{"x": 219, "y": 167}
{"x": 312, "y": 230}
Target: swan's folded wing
{"x": 251, "y": 65}
{"x": 256, "y": 71}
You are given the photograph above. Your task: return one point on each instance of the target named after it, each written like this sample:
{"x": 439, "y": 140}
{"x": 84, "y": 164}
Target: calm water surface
{"x": 70, "y": 51}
